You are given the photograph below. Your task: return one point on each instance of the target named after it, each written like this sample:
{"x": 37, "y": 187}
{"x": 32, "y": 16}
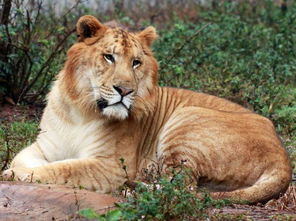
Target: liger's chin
{"x": 117, "y": 111}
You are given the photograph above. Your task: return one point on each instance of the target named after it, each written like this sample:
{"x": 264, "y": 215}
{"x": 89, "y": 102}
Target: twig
{"x": 45, "y": 64}
{"x": 73, "y": 7}
{"x": 64, "y": 16}
{"x": 6, "y": 139}
{"x": 188, "y": 40}
{"x": 39, "y": 7}
{"x": 25, "y": 75}
{"x": 25, "y": 50}
{"x": 77, "y": 204}
{"x": 6, "y": 11}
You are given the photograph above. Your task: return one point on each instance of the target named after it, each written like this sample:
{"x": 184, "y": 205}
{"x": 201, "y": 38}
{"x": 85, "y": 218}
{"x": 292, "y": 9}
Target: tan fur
{"x": 230, "y": 149}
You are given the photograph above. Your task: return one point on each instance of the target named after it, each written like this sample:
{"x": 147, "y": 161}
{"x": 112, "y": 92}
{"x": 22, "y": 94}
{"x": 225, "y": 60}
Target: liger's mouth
{"x": 103, "y": 103}
{"x": 119, "y": 103}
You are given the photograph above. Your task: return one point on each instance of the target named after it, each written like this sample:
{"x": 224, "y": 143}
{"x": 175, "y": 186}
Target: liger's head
{"x": 109, "y": 70}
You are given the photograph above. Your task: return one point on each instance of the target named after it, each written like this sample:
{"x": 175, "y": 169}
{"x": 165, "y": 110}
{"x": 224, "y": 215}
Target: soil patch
{"x": 283, "y": 208}
{"x": 9, "y": 113}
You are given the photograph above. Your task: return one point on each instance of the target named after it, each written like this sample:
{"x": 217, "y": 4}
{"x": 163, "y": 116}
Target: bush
{"x": 32, "y": 49}
{"x": 164, "y": 199}
{"x": 245, "y": 54}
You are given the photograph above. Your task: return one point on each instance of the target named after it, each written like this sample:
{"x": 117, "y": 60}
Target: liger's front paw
{"x": 20, "y": 174}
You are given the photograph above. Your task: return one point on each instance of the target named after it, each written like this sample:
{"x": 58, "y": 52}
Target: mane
{"x": 69, "y": 84}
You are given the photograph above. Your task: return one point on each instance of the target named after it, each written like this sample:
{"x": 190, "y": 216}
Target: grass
{"x": 15, "y": 136}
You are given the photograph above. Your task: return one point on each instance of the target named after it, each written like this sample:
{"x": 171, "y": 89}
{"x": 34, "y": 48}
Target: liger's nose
{"x": 122, "y": 90}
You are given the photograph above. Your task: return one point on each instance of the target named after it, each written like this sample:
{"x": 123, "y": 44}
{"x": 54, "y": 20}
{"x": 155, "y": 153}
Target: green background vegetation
{"x": 238, "y": 51}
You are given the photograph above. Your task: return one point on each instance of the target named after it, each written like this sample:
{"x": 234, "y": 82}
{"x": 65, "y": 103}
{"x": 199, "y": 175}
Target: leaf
{"x": 61, "y": 29}
{"x": 90, "y": 214}
{"x": 9, "y": 100}
{"x": 43, "y": 41}
{"x": 113, "y": 215}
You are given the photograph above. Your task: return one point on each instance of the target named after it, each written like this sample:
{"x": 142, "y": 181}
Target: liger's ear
{"x": 148, "y": 35}
{"x": 88, "y": 27}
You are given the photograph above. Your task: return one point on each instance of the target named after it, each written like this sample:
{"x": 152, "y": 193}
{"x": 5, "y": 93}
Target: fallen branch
{"x": 178, "y": 50}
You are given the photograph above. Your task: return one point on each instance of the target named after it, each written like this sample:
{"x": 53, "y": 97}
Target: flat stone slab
{"x": 29, "y": 201}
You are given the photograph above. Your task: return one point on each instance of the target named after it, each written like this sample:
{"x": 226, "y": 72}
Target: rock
{"x": 29, "y": 201}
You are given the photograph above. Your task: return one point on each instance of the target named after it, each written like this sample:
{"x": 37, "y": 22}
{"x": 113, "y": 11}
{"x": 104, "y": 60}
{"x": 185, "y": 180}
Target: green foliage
{"x": 164, "y": 199}
{"x": 245, "y": 54}
{"x": 32, "y": 50}
{"x": 112, "y": 215}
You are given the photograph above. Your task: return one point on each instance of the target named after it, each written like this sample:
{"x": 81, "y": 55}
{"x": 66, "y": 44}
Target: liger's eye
{"x": 136, "y": 63}
{"x": 109, "y": 58}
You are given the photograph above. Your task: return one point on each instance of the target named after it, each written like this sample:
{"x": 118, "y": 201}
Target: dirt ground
{"x": 283, "y": 208}
{"x": 9, "y": 113}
